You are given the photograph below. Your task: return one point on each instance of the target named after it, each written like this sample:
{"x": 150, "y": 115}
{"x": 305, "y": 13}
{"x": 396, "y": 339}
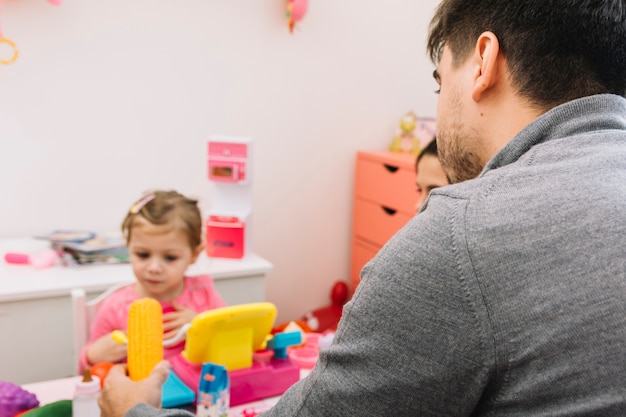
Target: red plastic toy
{"x": 327, "y": 318}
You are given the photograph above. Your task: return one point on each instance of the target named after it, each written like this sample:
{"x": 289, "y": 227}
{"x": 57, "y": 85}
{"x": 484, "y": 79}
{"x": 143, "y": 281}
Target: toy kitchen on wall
{"x": 229, "y": 218}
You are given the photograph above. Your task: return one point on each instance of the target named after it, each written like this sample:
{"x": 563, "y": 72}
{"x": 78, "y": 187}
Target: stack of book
{"x": 80, "y": 248}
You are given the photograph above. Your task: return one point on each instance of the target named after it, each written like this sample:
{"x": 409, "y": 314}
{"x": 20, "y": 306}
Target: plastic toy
{"x": 121, "y": 338}
{"x": 60, "y": 408}
{"x": 234, "y": 337}
{"x": 254, "y": 411}
{"x": 175, "y": 392}
{"x": 213, "y": 391}
{"x": 229, "y": 336}
{"x": 306, "y": 356}
{"x": 43, "y": 259}
{"x": 296, "y": 9}
{"x": 86, "y": 393}
{"x": 14, "y": 399}
{"x": 227, "y": 231}
{"x": 327, "y": 318}
{"x": 281, "y": 341}
{"x": 145, "y": 337}
{"x": 101, "y": 370}
{"x": 11, "y": 44}
{"x": 406, "y": 140}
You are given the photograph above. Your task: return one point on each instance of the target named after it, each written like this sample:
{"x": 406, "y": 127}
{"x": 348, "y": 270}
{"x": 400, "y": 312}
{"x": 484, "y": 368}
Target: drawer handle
{"x": 389, "y": 211}
{"x": 390, "y": 168}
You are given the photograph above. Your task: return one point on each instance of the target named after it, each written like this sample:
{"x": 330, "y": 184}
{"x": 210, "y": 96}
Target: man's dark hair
{"x": 556, "y": 50}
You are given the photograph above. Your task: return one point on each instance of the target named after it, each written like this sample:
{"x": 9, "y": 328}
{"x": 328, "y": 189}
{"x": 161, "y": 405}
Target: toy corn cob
{"x": 145, "y": 337}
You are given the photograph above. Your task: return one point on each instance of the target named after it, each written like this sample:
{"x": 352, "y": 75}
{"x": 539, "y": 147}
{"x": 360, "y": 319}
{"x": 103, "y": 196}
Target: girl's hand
{"x": 106, "y": 349}
{"x": 174, "y": 320}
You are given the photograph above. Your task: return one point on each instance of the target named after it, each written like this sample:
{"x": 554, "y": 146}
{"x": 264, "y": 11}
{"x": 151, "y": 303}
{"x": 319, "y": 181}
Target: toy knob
{"x": 339, "y": 293}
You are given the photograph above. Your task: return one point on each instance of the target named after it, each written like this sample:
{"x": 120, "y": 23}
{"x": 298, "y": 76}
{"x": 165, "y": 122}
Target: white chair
{"x": 83, "y": 313}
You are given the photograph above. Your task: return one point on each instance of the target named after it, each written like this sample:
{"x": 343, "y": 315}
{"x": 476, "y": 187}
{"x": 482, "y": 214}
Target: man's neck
{"x": 503, "y": 117}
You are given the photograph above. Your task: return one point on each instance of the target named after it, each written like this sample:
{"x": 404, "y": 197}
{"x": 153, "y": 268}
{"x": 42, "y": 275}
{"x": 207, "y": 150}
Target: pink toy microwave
{"x": 225, "y": 237}
{"x": 228, "y": 162}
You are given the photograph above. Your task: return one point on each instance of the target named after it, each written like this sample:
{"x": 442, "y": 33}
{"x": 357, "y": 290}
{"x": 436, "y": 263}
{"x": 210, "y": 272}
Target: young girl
{"x": 430, "y": 175}
{"x": 163, "y": 231}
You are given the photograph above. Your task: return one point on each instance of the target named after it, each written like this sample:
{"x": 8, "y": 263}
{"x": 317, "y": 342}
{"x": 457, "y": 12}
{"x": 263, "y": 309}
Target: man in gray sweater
{"x": 506, "y": 294}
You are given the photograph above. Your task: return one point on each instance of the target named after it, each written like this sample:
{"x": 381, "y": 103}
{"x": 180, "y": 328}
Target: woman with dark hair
{"x": 430, "y": 175}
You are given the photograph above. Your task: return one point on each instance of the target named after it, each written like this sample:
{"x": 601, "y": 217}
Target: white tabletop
{"x": 20, "y": 282}
{"x": 63, "y": 389}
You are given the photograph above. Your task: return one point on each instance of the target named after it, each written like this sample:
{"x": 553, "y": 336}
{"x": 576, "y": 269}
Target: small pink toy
{"x": 296, "y": 9}
{"x": 43, "y": 259}
{"x": 304, "y": 357}
{"x": 12, "y": 46}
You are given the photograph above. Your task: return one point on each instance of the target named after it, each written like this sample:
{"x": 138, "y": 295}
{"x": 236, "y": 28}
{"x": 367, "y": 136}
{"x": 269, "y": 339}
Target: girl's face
{"x": 159, "y": 259}
{"x": 430, "y": 175}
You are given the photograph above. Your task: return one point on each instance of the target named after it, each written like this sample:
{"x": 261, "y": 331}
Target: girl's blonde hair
{"x": 166, "y": 208}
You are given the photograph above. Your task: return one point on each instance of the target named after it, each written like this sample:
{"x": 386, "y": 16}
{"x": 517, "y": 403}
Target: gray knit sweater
{"x": 505, "y": 296}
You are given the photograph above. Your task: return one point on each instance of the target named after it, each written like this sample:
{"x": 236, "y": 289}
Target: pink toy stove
{"x": 261, "y": 380}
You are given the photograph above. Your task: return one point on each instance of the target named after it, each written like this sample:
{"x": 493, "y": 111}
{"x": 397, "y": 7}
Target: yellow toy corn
{"x": 145, "y": 337}
{"x": 119, "y": 336}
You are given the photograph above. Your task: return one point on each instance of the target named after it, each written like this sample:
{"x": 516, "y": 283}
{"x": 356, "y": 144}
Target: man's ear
{"x": 486, "y": 57}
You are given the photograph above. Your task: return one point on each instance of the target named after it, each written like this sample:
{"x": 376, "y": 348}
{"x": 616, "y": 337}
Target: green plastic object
{"x": 61, "y": 408}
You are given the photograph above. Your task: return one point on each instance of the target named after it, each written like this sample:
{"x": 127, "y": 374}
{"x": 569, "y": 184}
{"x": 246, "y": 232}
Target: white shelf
{"x": 35, "y": 304}
{"x": 21, "y": 282}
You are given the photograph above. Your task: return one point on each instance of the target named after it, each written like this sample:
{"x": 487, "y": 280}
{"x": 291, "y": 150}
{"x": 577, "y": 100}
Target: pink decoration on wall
{"x": 12, "y": 46}
{"x": 296, "y": 9}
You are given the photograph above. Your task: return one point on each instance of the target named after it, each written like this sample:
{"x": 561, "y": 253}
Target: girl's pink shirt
{"x": 199, "y": 294}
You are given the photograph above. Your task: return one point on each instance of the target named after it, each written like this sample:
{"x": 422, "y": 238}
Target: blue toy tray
{"x": 175, "y": 393}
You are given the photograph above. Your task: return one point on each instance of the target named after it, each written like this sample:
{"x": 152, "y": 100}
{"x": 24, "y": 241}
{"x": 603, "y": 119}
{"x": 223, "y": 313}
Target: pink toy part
{"x": 228, "y": 162}
{"x": 10, "y": 45}
{"x": 305, "y": 357}
{"x": 225, "y": 237}
{"x": 55, "y": 2}
{"x": 263, "y": 356}
{"x": 299, "y": 9}
{"x": 248, "y": 384}
{"x": 43, "y": 259}
{"x": 296, "y": 9}
{"x": 16, "y": 258}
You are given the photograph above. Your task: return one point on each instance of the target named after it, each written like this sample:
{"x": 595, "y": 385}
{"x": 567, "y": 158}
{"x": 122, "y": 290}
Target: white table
{"x": 63, "y": 389}
{"x": 35, "y": 308}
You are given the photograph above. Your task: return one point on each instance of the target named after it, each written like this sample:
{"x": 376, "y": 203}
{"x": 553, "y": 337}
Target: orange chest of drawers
{"x": 384, "y": 200}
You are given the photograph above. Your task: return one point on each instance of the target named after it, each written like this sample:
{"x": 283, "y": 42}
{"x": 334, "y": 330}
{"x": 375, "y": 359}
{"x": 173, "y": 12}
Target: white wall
{"x": 111, "y": 98}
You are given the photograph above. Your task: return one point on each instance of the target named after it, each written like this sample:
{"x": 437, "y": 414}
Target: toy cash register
{"x": 230, "y": 336}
